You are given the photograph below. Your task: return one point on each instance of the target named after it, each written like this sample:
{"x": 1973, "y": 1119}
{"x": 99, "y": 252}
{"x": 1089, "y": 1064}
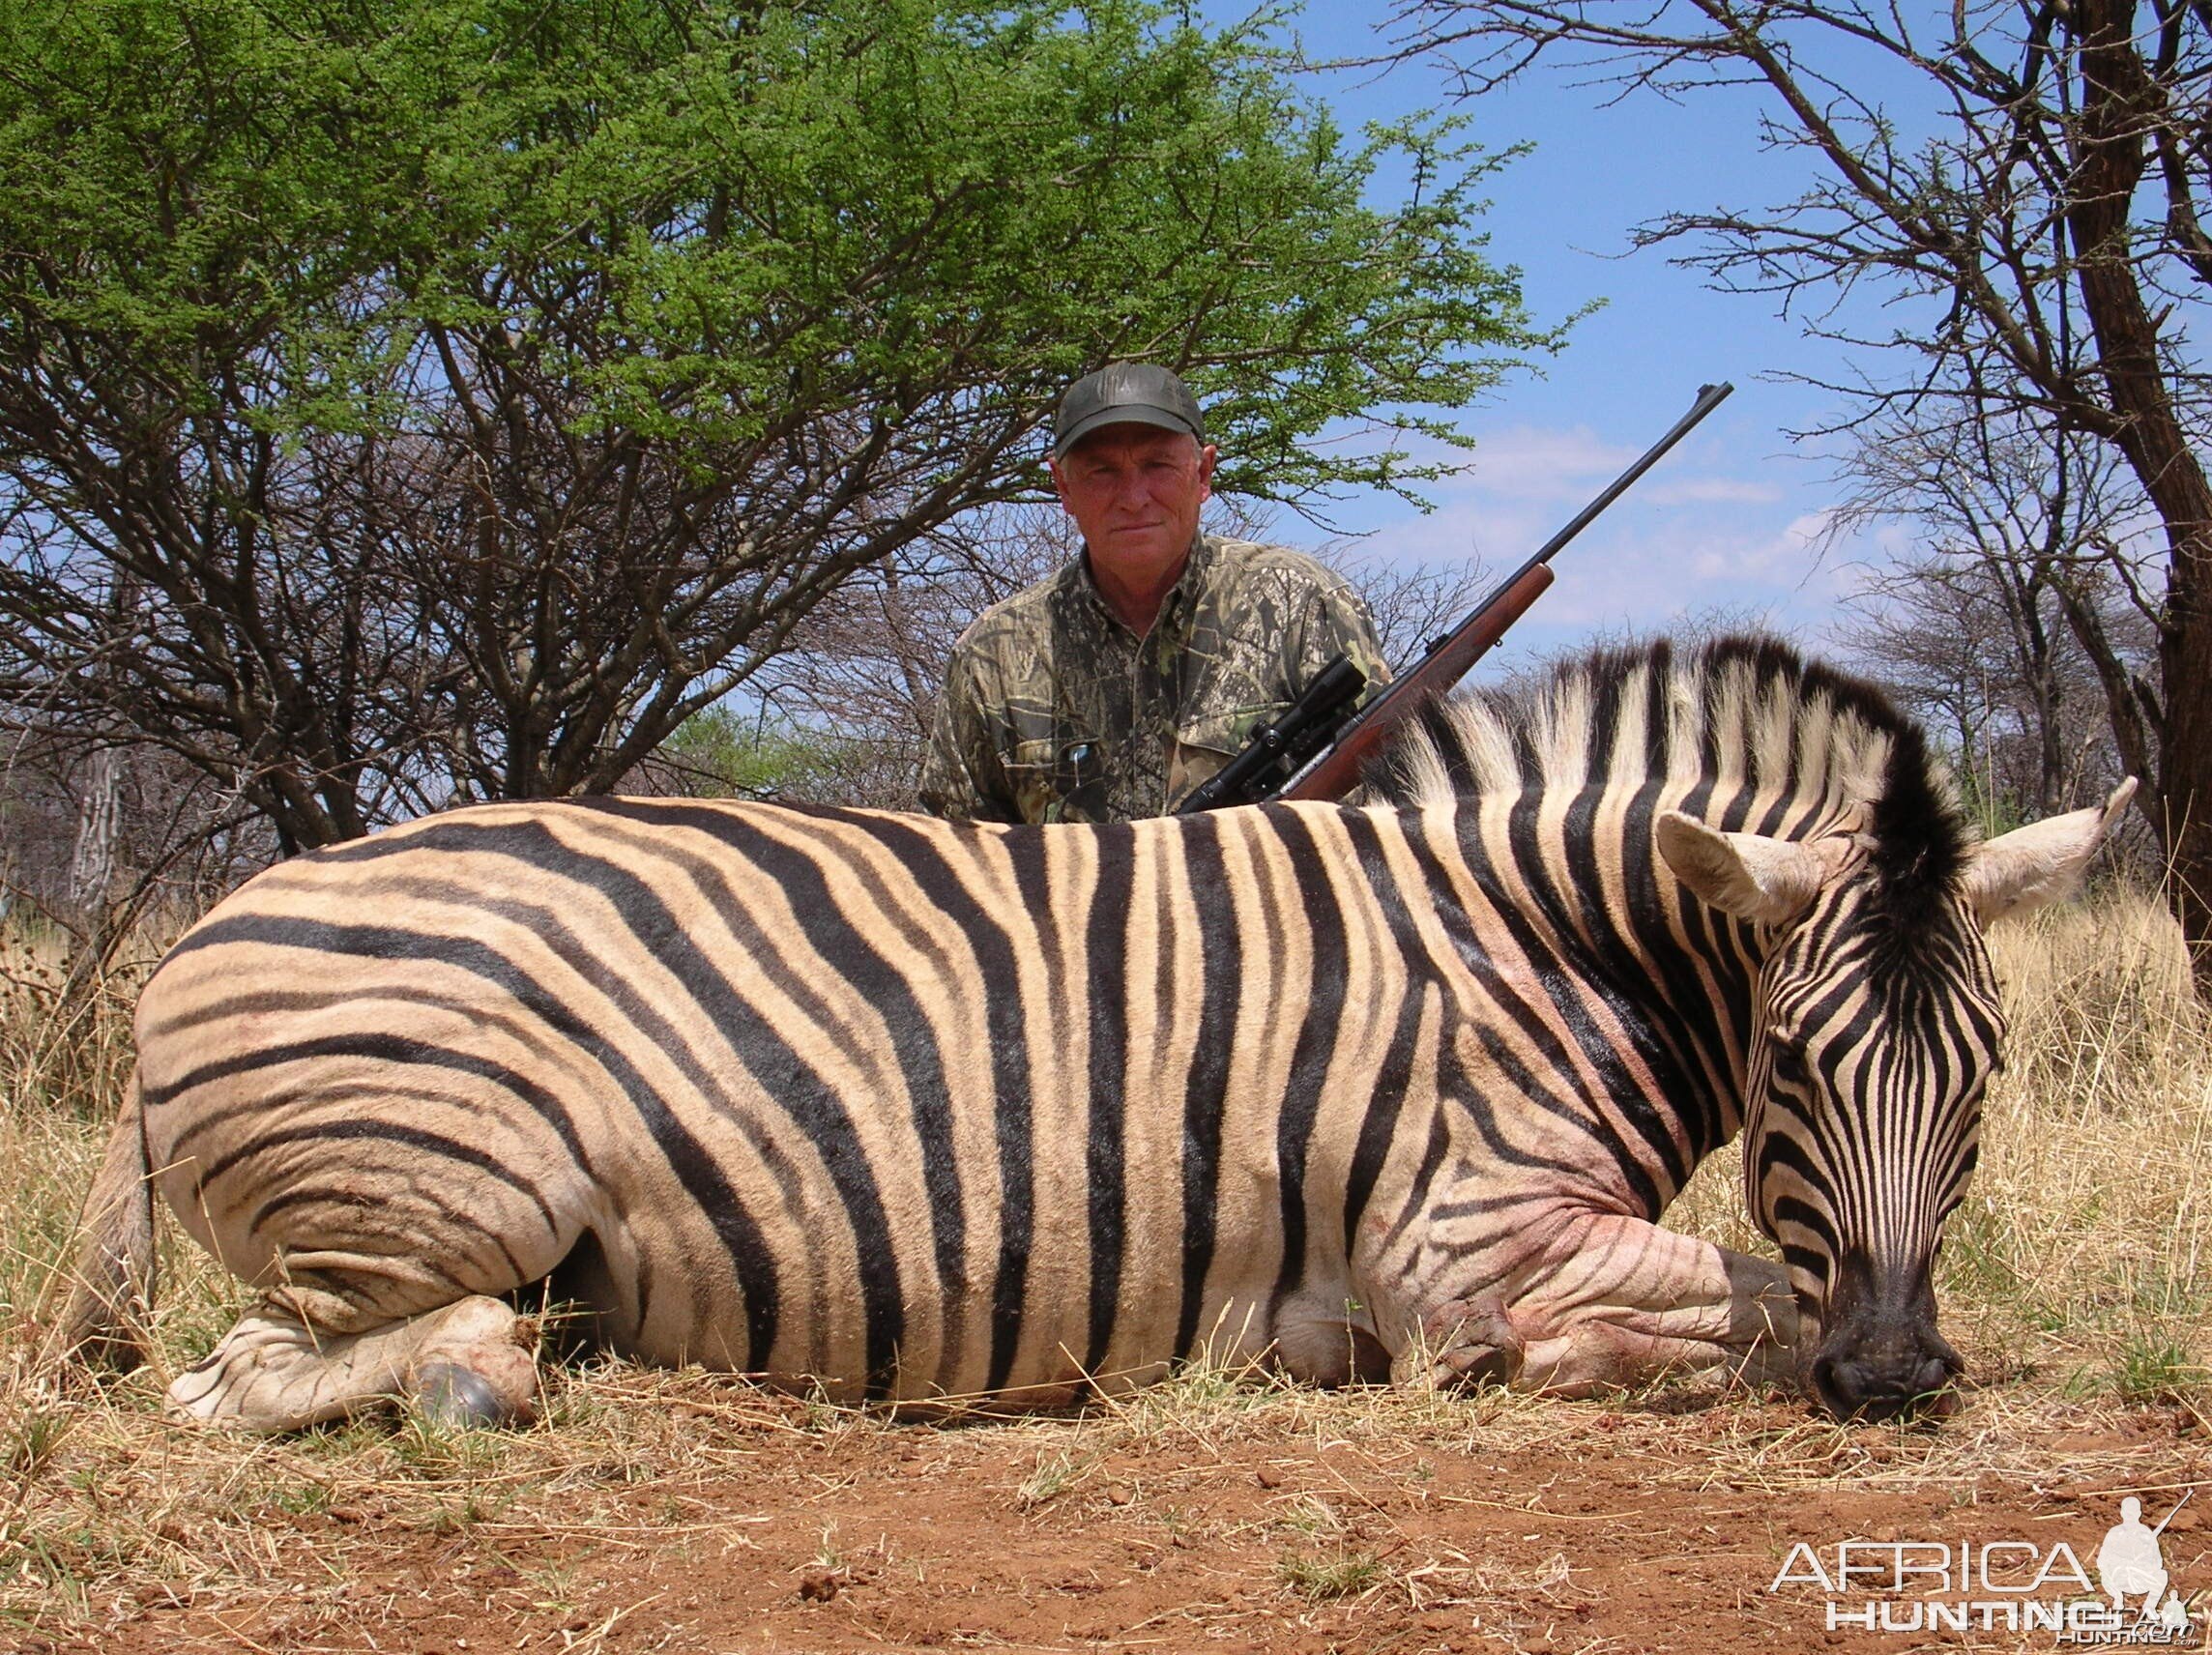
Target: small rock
{"x": 1267, "y": 1478}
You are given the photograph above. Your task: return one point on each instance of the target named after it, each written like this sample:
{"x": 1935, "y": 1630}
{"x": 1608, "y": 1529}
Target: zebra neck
{"x": 1657, "y": 1001}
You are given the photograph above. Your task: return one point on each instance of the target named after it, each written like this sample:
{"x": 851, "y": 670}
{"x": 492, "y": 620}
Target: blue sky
{"x": 1728, "y": 522}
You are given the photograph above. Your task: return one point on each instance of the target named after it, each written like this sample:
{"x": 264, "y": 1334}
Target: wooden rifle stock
{"x": 1335, "y": 773}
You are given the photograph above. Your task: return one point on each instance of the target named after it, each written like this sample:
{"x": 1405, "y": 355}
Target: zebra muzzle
{"x": 1882, "y": 1357}
{"x": 1917, "y": 1385}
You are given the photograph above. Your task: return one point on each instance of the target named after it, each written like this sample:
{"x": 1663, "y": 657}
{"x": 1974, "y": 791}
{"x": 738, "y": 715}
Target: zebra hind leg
{"x": 469, "y": 1363}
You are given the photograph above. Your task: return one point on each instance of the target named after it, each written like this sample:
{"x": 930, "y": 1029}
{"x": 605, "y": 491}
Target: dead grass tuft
{"x": 64, "y": 1037}
{"x": 2073, "y": 1280}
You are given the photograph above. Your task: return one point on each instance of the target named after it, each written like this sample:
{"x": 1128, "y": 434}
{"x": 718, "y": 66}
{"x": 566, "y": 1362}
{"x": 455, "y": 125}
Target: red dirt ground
{"x": 1595, "y": 1528}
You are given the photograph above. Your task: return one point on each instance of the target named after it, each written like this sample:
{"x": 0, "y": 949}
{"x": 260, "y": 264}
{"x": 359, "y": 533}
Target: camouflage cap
{"x": 1125, "y": 393}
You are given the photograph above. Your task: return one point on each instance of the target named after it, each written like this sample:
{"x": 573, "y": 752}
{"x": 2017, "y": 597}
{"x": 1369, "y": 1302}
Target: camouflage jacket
{"x": 1054, "y": 710}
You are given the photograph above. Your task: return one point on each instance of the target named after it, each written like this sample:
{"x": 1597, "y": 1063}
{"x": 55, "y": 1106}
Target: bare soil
{"x": 1303, "y": 1522}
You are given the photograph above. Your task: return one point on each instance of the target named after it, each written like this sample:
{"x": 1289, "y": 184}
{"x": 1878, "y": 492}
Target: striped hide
{"x": 915, "y": 1110}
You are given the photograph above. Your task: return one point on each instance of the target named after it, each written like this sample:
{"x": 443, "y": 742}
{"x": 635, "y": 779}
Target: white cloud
{"x": 1567, "y": 465}
{"x": 1525, "y": 463}
{"x": 1714, "y": 531}
{"x": 1640, "y": 570}
{"x": 1709, "y": 490}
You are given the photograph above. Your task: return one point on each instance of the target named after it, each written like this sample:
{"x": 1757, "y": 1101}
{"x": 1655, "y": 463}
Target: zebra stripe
{"x": 912, "y": 1109}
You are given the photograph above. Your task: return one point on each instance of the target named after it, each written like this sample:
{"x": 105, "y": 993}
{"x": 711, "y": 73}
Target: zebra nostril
{"x": 1839, "y": 1384}
{"x": 1853, "y": 1388}
{"x": 1934, "y": 1373}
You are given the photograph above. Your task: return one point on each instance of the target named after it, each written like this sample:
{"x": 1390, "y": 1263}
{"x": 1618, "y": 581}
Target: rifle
{"x": 2171, "y": 1514}
{"x": 1318, "y": 746}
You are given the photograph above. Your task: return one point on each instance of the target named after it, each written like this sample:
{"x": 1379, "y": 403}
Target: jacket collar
{"x": 1198, "y": 564}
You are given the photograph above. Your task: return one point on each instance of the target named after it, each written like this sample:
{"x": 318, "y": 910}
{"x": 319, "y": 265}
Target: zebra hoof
{"x": 457, "y": 1398}
{"x": 1474, "y": 1343}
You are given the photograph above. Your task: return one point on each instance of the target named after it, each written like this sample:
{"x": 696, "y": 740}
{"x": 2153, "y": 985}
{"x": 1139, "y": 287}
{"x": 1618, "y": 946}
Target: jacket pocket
{"x": 1205, "y": 744}
{"x": 1057, "y": 779}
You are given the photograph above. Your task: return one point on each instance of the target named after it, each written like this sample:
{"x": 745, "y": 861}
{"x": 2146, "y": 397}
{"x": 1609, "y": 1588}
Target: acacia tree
{"x": 458, "y": 395}
{"x": 2052, "y": 166}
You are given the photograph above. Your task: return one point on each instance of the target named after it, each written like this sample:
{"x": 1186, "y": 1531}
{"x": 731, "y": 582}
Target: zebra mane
{"x": 1738, "y": 717}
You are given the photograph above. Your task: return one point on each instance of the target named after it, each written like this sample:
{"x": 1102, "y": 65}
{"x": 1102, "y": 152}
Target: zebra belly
{"x": 866, "y": 1100}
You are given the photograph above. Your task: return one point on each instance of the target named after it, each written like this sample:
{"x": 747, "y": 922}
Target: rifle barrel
{"x": 2171, "y": 1514}
{"x": 1709, "y": 397}
{"x": 1333, "y": 772}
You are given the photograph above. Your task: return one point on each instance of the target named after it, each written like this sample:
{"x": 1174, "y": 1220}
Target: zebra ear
{"x": 2032, "y": 866}
{"x": 1770, "y": 880}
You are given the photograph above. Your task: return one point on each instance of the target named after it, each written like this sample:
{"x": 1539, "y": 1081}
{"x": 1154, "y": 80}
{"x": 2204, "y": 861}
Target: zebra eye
{"x": 1789, "y": 1067}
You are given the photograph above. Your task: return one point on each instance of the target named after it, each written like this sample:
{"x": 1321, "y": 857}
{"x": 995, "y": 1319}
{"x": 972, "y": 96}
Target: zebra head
{"x": 1875, "y": 1026}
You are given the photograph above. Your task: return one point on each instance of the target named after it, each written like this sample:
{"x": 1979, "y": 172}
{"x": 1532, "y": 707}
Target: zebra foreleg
{"x": 1465, "y": 1342}
{"x": 1609, "y": 1302}
{"x": 468, "y": 1363}
{"x": 1632, "y": 1301}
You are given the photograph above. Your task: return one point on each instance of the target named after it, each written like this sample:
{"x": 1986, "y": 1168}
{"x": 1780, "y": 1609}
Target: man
{"x": 2128, "y": 1563}
{"x": 1111, "y": 688}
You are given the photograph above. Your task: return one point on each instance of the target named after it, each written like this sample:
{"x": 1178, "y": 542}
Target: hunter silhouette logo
{"x": 2130, "y": 1564}
{"x": 2013, "y": 1584}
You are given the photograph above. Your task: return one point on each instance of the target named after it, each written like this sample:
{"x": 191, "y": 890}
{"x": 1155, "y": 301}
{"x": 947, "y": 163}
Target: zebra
{"x": 916, "y": 1111}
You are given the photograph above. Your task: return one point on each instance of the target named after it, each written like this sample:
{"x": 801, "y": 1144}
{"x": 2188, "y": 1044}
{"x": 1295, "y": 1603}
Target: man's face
{"x": 1135, "y": 492}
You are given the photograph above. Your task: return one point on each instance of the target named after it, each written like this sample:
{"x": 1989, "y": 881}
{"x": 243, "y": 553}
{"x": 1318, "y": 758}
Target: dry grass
{"x": 66, "y": 1047}
{"x": 2073, "y": 1280}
